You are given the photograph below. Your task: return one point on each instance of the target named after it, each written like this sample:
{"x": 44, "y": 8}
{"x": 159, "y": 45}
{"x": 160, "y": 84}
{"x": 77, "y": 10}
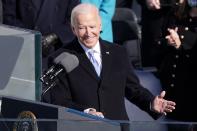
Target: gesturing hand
{"x": 93, "y": 111}
{"x": 173, "y": 38}
{"x": 162, "y": 106}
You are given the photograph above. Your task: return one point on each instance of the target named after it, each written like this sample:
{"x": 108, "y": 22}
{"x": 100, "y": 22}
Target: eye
{"x": 81, "y": 28}
{"x": 92, "y": 27}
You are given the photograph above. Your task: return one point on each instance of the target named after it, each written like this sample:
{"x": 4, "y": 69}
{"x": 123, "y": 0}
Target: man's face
{"x": 87, "y": 28}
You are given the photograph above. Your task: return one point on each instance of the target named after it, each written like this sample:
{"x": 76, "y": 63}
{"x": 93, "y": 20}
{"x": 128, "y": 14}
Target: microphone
{"x": 64, "y": 62}
{"x": 67, "y": 60}
{"x": 48, "y": 42}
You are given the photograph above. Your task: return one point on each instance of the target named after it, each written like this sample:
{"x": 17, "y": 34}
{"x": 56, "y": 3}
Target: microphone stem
{"x": 46, "y": 90}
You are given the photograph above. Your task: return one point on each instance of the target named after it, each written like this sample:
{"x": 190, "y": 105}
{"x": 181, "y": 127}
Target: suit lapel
{"x": 84, "y": 61}
{"x": 87, "y": 65}
{"x": 106, "y": 61}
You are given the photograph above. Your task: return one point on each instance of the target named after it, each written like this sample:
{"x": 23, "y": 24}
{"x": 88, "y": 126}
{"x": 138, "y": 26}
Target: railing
{"x": 92, "y": 125}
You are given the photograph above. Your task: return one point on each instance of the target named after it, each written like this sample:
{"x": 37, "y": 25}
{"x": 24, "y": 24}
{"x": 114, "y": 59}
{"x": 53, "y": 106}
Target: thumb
{"x": 163, "y": 93}
{"x": 167, "y": 37}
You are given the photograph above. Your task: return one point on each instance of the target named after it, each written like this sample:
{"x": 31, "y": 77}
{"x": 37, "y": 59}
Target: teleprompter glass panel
{"x": 20, "y": 62}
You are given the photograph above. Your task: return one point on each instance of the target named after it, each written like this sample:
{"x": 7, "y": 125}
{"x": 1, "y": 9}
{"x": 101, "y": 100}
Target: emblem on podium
{"x": 26, "y": 122}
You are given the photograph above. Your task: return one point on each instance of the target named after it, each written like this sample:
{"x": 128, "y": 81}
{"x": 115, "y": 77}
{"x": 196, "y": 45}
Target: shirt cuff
{"x": 89, "y": 109}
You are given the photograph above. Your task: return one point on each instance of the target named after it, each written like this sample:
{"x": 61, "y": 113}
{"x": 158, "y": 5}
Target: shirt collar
{"x": 96, "y": 48}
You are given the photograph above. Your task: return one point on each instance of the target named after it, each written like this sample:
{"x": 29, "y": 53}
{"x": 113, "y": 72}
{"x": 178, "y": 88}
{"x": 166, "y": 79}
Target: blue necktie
{"x": 94, "y": 61}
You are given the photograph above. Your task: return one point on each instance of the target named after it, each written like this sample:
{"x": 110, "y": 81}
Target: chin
{"x": 90, "y": 44}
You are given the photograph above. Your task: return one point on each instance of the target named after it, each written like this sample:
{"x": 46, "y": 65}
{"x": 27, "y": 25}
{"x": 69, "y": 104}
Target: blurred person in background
{"x": 179, "y": 66}
{"x": 106, "y": 10}
{"x": 153, "y": 14}
{"x": 50, "y": 17}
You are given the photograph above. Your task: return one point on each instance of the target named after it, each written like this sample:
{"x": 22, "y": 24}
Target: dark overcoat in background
{"x": 46, "y": 16}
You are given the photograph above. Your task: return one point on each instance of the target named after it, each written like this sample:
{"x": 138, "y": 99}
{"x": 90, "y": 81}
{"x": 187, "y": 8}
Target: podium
{"x": 50, "y": 117}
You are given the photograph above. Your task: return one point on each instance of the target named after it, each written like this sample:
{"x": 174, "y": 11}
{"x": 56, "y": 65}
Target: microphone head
{"x": 67, "y": 60}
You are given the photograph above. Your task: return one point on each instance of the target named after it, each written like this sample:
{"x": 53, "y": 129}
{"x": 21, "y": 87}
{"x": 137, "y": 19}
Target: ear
{"x": 100, "y": 24}
{"x": 73, "y": 30}
{"x": 100, "y": 27}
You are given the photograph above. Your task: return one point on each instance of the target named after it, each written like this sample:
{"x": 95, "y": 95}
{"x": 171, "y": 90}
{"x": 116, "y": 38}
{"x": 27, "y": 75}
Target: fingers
{"x": 95, "y": 113}
{"x": 171, "y": 103}
{"x": 173, "y": 38}
{"x": 172, "y": 32}
{"x": 100, "y": 114}
{"x": 167, "y": 110}
{"x": 157, "y": 4}
{"x": 163, "y": 106}
{"x": 168, "y": 106}
{"x": 170, "y": 40}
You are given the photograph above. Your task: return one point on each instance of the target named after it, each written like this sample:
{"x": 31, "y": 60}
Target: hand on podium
{"x": 93, "y": 111}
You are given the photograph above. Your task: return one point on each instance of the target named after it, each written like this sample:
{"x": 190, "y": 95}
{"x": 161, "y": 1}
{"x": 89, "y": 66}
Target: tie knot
{"x": 91, "y": 51}
{"x": 91, "y": 55}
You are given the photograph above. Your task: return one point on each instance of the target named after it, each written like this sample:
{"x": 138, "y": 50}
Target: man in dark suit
{"x": 50, "y": 17}
{"x": 101, "y": 92}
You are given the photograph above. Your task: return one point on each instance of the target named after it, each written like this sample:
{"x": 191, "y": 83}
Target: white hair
{"x": 83, "y": 8}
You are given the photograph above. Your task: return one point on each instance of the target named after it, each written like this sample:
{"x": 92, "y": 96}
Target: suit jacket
{"x": 46, "y": 16}
{"x": 82, "y": 88}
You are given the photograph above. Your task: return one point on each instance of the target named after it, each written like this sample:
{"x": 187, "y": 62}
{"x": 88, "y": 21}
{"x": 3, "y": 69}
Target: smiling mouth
{"x": 89, "y": 38}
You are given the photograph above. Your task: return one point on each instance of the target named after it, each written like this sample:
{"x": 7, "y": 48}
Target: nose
{"x": 88, "y": 30}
